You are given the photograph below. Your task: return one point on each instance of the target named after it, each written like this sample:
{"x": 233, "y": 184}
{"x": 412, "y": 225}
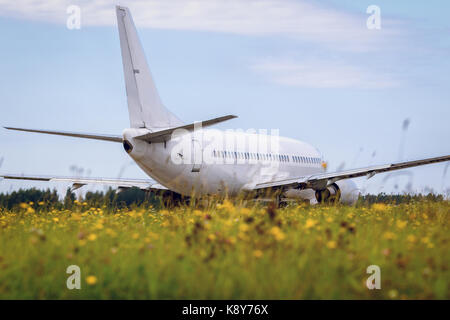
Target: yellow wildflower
{"x": 153, "y": 235}
{"x": 24, "y": 205}
{"x": 310, "y": 223}
{"x": 389, "y": 235}
{"x": 198, "y": 213}
{"x": 227, "y": 205}
{"x": 92, "y": 237}
{"x": 165, "y": 224}
{"x": 401, "y": 224}
{"x": 257, "y": 253}
{"x": 331, "y": 244}
{"x": 91, "y": 280}
{"x": 277, "y": 233}
{"x": 111, "y": 232}
{"x": 211, "y": 237}
{"x": 379, "y": 207}
{"x": 243, "y": 228}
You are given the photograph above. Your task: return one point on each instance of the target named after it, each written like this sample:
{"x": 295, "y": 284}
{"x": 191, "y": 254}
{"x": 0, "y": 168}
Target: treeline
{"x": 398, "y": 198}
{"x": 136, "y": 197}
{"x": 48, "y": 198}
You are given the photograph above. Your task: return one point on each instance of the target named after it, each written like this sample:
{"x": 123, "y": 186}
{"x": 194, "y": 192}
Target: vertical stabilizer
{"x": 144, "y": 104}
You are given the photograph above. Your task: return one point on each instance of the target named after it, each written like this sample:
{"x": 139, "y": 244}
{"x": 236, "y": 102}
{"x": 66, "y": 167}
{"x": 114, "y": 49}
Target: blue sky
{"x": 312, "y": 70}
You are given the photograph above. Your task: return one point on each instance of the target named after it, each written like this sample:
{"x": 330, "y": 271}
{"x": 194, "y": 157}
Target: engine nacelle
{"x": 349, "y": 191}
{"x": 134, "y": 147}
{"x": 344, "y": 191}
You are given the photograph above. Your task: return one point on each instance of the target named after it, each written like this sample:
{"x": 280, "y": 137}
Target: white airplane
{"x": 186, "y": 159}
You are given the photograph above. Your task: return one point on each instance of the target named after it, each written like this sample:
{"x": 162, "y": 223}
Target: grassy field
{"x": 227, "y": 251}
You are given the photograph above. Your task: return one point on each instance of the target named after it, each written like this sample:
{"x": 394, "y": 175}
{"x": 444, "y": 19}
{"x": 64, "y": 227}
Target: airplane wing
{"x": 321, "y": 180}
{"x": 142, "y": 184}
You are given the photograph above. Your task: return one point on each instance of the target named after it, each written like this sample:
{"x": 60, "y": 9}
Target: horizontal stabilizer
{"x": 163, "y": 135}
{"x": 104, "y": 137}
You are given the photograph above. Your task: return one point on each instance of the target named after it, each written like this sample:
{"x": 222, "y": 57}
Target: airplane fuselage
{"x": 213, "y": 161}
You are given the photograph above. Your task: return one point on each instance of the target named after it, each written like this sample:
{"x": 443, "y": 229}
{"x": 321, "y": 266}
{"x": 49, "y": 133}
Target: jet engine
{"x": 344, "y": 191}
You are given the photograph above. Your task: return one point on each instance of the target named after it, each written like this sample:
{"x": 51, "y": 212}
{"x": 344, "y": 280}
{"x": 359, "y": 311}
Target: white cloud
{"x": 304, "y": 19}
{"x": 321, "y": 74}
{"x": 316, "y": 26}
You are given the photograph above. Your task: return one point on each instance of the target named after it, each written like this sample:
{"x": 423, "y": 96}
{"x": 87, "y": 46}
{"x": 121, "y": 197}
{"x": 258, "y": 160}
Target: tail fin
{"x": 144, "y": 105}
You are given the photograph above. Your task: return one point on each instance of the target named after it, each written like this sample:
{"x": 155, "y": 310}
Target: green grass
{"x": 227, "y": 251}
